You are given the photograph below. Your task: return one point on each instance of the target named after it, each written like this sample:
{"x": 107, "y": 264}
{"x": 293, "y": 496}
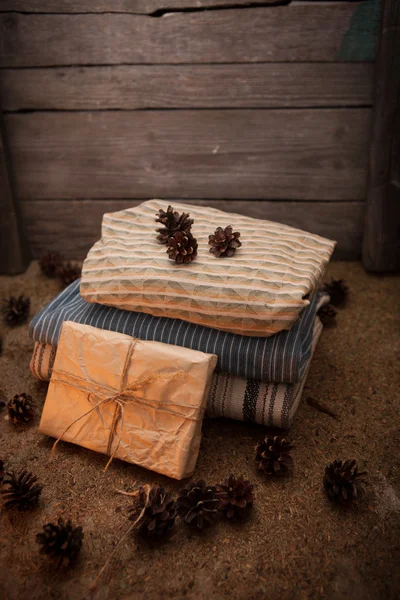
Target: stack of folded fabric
{"x": 255, "y": 310}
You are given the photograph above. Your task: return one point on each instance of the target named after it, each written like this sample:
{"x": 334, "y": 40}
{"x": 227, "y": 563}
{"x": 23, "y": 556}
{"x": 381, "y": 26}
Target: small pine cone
{"x": 235, "y": 496}
{"x": 338, "y": 291}
{"x": 49, "y": 264}
{"x": 273, "y": 455}
{"x": 23, "y": 492}
{"x": 154, "y": 511}
{"x": 224, "y": 242}
{"x": 68, "y": 272}
{"x": 172, "y": 222}
{"x": 182, "y": 247}
{"x": 198, "y": 504}
{"x": 21, "y": 408}
{"x": 342, "y": 481}
{"x": 327, "y": 314}
{"x": 16, "y": 310}
{"x": 62, "y": 541}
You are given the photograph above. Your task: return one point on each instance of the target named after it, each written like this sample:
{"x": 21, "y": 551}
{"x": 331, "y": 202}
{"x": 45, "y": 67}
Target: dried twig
{"x": 321, "y": 407}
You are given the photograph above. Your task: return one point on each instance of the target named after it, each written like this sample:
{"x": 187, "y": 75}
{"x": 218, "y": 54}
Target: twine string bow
{"x": 126, "y": 395}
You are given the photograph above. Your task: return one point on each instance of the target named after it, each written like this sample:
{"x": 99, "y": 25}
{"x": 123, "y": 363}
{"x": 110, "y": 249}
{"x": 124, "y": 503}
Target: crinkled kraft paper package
{"x": 139, "y": 401}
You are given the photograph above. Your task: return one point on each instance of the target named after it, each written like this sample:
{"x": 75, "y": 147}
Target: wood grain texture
{"x": 298, "y": 32}
{"x": 273, "y": 154}
{"x": 381, "y": 246}
{"x": 14, "y": 253}
{"x": 196, "y": 86}
{"x": 129, "y": 6}
{"x": 72, "y": 226}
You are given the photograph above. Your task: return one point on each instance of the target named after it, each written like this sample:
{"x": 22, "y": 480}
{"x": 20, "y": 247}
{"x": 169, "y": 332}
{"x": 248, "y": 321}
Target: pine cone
{"x": 235, "y": 496}
{"x": 62, "y": 540}
{"x": 198, "y": 504}
{"x": 49, "y": 264}
{"x": 182, "y": 247}
{"x": 327, "y": 314}
{"x": 224, "y": 242}
{"x": 154, "y": 511}
{"x": 16, "y": 310}
{"x": 340, "y": 481}
{"x": 21, "y": 408}
{"x": 338, "y": 291}
{"x": 68, "y": 272}
{"x": 273, "y": 455}
{"x": 23, "y": 492}
{"x": 172, "y": 222}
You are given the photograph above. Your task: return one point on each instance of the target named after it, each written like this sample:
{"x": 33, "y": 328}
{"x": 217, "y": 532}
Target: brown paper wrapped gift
{"x": 139, "y": 401}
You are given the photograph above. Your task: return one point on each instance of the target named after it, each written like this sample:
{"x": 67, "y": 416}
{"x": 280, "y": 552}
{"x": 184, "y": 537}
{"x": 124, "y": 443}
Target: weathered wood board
{"x": 183, "y": 86}
{"x": 130, "y": 6}
{"x": 266, "y": 154}
{"x": 53, "y": 225}
{"x": 381, "y": 246}
{"x": 14, "y": 254}
{"x": 297, "y": 32}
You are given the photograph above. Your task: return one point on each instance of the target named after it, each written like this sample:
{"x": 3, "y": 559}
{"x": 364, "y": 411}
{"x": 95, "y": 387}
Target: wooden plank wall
{"x": 244, "y": 106}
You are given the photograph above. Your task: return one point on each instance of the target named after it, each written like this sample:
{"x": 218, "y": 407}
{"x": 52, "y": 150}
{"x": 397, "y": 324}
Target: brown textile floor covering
{"x": 295, "y": 545}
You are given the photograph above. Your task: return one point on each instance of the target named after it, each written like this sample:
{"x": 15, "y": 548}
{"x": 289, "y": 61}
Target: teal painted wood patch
{"x": 360, "y": 42}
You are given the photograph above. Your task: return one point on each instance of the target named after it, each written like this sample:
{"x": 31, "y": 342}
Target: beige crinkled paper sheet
{"x": 139, "y": 401}
{"x": 257, "y": 292}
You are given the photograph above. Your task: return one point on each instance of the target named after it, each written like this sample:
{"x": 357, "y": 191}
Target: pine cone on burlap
{"x": 327, "y": 314}
{"x": 21, "y": 408}
{"x": 235, "y": 496}
{"x": 198, "y": 504}
{"x": 273, "y": 455}
{"x": 182, "y": 247}
{"x": 338, "y": 291}
{"x": 153, "y": 512}
{"x": 343, "y": 482}
{"x": 22, "y": 490}
{"x": 16, "y": 310}
{"x": 68, "y": 272}
{"x": 173, "y": 222}
{"x": 224, "y": 242}
{"x": 49, "y": 264}
{"x": 62, "y": 541}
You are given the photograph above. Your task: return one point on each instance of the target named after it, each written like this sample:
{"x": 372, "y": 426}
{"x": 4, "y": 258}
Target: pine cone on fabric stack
{"x": 49, "y": 264}
{"x": 68, "y": 272}
{"x": 16, "y": 310}
{"x": 343, "y": 482}
{"x": 172, "y": 222}
{"x": 327, "y": 314}
{"x": 198, "y": 504}
{"x": 23, "y": 492}
{"x": 235, "y": 496}
{"x": 182, "y": 247}
{"x": 21, "y": 408}
{"x": 154, "y": 511}
{"x": 224, "y": 242}
{"x": 62, "y": 541}
{"x": 338, "y": 291}
{"x": 273, "y": 455}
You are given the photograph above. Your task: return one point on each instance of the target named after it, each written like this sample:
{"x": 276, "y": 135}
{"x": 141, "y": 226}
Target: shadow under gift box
{"x": 139, "y": 401}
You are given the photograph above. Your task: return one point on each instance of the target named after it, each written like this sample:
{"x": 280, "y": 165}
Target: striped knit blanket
{"x": 258, "y": 292}
{"x": 239, "y": 398}
{"x": 280, "y": 358}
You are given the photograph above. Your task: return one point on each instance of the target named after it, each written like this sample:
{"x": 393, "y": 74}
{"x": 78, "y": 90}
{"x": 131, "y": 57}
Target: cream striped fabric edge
{"x": 258, "y": 292}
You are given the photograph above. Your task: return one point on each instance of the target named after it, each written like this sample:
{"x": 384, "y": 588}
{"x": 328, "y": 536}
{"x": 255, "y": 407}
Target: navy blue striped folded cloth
{"x": 280, "y": 358}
